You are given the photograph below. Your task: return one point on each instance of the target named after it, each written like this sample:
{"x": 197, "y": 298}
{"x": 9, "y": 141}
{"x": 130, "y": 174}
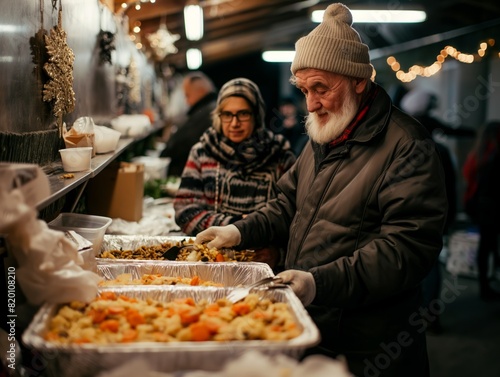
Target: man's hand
{"x": 302, "y": 284}
{"x": 220, "y": 236}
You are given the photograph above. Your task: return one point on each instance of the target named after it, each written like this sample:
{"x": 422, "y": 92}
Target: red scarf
{"x": 363, "y": 109}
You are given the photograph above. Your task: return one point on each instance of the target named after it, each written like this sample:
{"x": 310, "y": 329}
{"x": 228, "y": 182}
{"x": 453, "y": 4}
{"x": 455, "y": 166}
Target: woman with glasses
{"x": 234, "y": 168}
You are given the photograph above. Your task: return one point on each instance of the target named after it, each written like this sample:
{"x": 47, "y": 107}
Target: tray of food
{"x": 118, "y": 248}
{"x": 187, "y": 273}
{"x": 172, "y": 329}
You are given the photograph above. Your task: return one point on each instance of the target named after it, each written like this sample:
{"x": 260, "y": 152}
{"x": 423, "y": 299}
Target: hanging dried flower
{"x": 59, "y": 67}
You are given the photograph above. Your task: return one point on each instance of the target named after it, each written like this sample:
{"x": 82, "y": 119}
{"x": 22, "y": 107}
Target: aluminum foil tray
{"x": 129, "y": 242}
{"x": 88, "y": 360}
{"x": 227, "y": 274}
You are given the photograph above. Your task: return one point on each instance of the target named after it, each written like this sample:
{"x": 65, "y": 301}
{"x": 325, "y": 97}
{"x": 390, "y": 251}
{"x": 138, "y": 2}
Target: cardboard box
{"x": 117, "y": 192}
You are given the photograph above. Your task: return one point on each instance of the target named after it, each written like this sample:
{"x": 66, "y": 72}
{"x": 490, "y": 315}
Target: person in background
{"x": 233, "y": 169}
{"x": 362, "y": 209}
{"x": 201, "y": 95}
{"x": 482, "y": 202}
{"x": 419, "y": 103}
{"x": 289, "y": 122}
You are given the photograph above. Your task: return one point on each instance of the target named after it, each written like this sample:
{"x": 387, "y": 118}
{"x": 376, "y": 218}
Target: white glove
{"x": 302, "y": 284}
{"x": 220, "y": 236}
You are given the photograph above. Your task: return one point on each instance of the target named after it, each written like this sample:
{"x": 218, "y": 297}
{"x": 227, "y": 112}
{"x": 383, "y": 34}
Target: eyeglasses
{"x": 242, "y": 116}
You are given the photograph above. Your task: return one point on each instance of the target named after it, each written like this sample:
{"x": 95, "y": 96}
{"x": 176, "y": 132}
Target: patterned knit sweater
{"x": 223, "y": 181}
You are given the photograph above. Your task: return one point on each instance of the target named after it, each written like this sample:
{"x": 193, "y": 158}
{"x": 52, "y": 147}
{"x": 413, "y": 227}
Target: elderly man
{"x": 362, "y": 209}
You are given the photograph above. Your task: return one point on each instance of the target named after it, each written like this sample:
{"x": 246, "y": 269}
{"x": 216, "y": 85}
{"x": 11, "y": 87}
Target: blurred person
{"x": 362, "y": 210}
{"x": 419, "y": 103}
{"x": 201, "y": 96}
{"x": 233, "y": 169}
{"x": 289, "y": 122}
{"x": 482, "y": 202}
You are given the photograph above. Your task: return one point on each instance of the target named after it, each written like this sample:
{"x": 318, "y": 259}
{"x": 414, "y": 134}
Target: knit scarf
{"x": 246, "y": 172}
{"x": 249, "y": 155}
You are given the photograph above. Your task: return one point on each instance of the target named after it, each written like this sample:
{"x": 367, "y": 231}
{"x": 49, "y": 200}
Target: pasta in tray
{"x": 113, "y": 318}
{"x": 158, "y": 279}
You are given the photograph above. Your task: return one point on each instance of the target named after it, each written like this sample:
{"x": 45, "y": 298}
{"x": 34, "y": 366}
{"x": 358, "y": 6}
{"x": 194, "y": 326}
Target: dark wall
{"x": 23, "y": 24}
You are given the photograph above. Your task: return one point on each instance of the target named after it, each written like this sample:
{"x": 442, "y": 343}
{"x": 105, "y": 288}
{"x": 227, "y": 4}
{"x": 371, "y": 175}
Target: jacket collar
{"x": 376, "y": 118}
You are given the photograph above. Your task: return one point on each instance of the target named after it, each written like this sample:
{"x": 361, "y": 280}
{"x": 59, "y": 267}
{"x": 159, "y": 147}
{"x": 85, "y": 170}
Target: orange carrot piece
{"x": 51, "y": 335}
{"x": 129, "y": 335}
{"x": 200, "y": 332}
{"x": 189, "y": 316}
{"x": 219, "y": 258}
{"x": 98, "y": 315}
{"x": 110, "y": 325}
{"x": 107, "y": 295}
{"x": 212, "y": 309}
{"x": 189, "y": 301}
{"x": 134, "y": 318}
{"x": 240, "y": 308}
{"x": 195, "y": 280}
{"x": 128, "y": 299}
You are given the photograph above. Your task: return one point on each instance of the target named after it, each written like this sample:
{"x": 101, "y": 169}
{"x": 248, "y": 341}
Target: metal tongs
{"x": 240, "y": 293}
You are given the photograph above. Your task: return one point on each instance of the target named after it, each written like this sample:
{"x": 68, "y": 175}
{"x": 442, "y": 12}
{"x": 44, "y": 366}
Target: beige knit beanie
{"x": 334, "y": 46}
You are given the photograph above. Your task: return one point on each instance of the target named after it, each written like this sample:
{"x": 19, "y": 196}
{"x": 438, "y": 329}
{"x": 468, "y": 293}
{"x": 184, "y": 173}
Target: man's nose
{"x": 312, "y": 103}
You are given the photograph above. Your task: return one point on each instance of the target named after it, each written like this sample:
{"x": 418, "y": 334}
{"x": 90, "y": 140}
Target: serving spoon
{"x": 172, "y": 252}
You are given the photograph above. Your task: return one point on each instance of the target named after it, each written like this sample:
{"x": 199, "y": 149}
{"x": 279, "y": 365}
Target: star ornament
{"x": 162, "y": 42}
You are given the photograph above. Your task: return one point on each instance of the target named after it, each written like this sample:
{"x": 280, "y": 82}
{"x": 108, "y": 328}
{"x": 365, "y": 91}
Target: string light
{"x": 448, "y": 51}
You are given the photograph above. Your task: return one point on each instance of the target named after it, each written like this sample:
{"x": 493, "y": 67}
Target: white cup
{"x": 76, "y": 159}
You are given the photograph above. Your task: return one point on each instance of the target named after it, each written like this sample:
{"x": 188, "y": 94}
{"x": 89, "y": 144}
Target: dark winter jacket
{"x": 366, "y": 219}
{"x": 188, "y": 134}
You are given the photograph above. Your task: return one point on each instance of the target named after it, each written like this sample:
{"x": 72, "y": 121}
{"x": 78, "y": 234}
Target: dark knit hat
{"x": 242, "y": 87}
{"x": 334, "y": 46}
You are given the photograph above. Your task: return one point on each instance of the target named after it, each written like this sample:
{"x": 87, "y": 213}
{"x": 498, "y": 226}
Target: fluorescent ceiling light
{"x": 278, "y": 56}
{"x": 379, "y": 16}
{"x": 193, "y": 21}
{"x": 193, "y": 58}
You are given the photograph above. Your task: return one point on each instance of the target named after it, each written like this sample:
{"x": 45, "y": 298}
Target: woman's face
{"x": 237, "y": 119}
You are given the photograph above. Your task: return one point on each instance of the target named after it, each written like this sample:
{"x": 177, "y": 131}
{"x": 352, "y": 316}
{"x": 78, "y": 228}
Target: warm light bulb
{"x": 378, "y": 16}
{"x": 193, "y": 22}
{"x": 193, "y": 58}
{"x": 278, "y": 56}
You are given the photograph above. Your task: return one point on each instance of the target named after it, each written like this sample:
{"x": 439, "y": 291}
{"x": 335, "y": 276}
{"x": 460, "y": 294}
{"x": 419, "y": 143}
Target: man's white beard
{"x": 337, "y": 123}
